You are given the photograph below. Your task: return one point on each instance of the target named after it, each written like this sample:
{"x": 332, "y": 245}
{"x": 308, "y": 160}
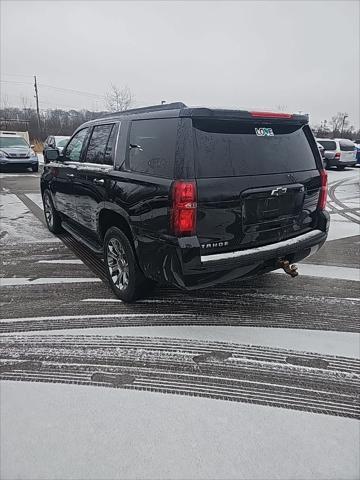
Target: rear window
{"x": 328, "y": 144}
{"x": 152, "y": 146}
{"x": 226, "y": 148}
{"x": 346, "y": 145}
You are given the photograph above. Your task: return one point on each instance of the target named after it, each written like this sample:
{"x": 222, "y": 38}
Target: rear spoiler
{"x": 262, "y": 117}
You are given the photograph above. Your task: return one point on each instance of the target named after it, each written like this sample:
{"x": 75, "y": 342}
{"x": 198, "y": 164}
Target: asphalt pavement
{"x": 271, "y": 342}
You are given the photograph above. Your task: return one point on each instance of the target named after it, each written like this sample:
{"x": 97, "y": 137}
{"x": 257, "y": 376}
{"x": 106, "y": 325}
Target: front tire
{"x": 340, "y": 167}
{"x": 125, "y": 277}
{"x": 52, "y": 218}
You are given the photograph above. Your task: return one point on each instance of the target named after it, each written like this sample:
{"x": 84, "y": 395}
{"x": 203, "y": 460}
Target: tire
{"x": 35, "y": 168}
{"x": 52, "y": 218}
{"x": 340, "y": 167}
{"x": 130, "y": 284}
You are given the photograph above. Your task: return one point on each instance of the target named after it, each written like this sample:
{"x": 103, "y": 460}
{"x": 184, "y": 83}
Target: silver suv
{"x": 339, "y": 152}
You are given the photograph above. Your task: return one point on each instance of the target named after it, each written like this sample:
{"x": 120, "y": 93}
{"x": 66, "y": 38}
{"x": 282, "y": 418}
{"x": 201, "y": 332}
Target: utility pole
{"x": 37, "y": 102}
{"x": 343, "y": 123}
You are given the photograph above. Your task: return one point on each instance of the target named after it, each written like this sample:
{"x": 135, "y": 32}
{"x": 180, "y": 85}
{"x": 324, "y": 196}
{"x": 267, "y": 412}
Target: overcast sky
{"x": 301, "y": 56}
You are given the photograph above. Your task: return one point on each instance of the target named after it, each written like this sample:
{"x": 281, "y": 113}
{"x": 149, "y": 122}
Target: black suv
{"x": 189, "y": 196}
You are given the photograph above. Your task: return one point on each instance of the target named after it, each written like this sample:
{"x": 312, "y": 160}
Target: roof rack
{"x": 152, "y": 108}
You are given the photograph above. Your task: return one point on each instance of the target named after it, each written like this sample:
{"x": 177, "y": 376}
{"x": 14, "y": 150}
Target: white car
{"x": 339, "y": 152}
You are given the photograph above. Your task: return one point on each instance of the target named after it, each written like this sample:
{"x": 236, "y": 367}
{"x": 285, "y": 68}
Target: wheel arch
{"x": 108, "y": 217}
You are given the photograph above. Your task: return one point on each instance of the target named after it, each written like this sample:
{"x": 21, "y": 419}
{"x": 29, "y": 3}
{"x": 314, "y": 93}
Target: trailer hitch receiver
{"x": 291, "y": 270}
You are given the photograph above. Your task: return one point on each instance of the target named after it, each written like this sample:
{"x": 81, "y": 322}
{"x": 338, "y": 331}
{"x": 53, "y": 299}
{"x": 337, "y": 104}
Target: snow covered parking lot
{"x": 249, "y": 380}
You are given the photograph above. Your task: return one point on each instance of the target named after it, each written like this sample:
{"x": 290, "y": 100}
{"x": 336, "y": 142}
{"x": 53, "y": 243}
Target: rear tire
{"x": 35, "y": 168}
{"x": 52, "y": 218}
{"x": 125, "y": 277}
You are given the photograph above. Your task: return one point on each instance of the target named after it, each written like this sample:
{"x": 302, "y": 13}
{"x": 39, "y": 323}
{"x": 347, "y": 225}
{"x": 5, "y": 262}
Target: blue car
{"x": 357, "y": 145}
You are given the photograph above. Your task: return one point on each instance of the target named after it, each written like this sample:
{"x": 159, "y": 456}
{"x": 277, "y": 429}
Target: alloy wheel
{"x": 48, "y": 210}
{"x": 118, "y": 264}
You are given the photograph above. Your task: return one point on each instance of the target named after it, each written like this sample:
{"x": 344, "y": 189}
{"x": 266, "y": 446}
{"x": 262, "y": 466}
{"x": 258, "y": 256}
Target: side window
{"x": 152, "y": 146}
{"x": 100, "y": 145}
{"x": 74, "y": 148}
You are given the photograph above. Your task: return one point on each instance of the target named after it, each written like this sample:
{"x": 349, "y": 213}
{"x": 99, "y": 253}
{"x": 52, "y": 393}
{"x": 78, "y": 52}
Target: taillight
{"x": 323, "y": 189}
{"x": 183, "y": 212}
{"x": 337, "y": 155}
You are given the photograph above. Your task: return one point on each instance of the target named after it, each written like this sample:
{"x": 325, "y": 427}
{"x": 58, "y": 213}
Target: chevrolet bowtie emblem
{"x": 278, "y": 191}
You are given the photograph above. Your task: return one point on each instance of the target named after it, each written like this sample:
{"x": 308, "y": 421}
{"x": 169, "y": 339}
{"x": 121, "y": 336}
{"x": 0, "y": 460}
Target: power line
{"x": 16, "y": 75}
{"x": 59, "y": 89}
{"x": 78, "y": 92}
{"x": 15, "y": 82}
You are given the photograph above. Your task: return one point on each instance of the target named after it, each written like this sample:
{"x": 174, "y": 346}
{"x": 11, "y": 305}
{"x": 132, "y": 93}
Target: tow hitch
{"x": 291, "y": 270}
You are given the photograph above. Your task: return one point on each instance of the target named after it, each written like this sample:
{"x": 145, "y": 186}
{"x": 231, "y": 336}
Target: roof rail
{"x": 152, "y": 108}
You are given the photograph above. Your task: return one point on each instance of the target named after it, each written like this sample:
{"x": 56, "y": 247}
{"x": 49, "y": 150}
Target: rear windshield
{"x": 328, "y": 144}
{"x": 226, "y": 148}
{"x": 346, "y": 146}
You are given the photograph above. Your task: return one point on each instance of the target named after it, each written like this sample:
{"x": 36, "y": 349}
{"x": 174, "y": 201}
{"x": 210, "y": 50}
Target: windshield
{"x": 8, "y": 142}
{"x": 62, "y": 142}
{"x": 226, "y": 148}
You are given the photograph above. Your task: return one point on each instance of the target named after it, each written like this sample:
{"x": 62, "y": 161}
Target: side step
{"x": 95, "y": 247}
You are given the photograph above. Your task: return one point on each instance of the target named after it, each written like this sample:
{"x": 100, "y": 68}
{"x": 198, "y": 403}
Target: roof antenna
{"x": 163, "y": 101}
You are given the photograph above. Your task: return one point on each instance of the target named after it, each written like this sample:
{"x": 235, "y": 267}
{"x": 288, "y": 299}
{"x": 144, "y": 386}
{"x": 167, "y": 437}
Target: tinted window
{"x": 73, "y": 150}
{"x": 346, "y": 146}
{"x": 98, "y": 144}
{"x": 328, "y": 144}
{"x": 152, "y": 146}
{"x": 110, "y": 147}
{"x": 225, "y": 148}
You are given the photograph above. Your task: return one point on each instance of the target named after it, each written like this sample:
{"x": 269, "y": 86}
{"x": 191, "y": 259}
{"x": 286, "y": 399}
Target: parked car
{"x": 339, "y": 152}
{"x": 191, "y": 197}
{"x": 357, "y": 146}
{"x": 16, "y": 152}
{"x": 54, "y": 141}
{"x": 322, "y": 151}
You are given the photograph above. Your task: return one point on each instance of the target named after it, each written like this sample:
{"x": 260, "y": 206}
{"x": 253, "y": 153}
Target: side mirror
{"x": 52, "y": 155}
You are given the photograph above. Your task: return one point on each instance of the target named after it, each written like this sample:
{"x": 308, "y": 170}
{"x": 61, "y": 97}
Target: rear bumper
{"x": 340, "y": 163}
{"x": 266, "y": 252}
{"x": 183, "y": 265}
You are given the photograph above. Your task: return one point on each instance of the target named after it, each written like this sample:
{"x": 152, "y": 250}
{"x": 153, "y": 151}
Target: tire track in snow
{"x": 218, "y": 370}
{"x": 343, "y": 208}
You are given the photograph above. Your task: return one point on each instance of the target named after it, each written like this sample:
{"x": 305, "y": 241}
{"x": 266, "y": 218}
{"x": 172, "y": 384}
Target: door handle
{"x": 99, "y": 181}
{"x": 70, "y": 175}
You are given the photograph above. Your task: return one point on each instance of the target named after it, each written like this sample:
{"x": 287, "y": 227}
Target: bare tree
{"x": 118, "y": 99}
{"x": 339, "y": 123}
{"x": 25, "y": 102}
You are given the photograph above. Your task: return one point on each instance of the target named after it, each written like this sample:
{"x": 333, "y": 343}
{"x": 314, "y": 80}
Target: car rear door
{"x": 257, "y": 182}
{"x": 92, "y": 182}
